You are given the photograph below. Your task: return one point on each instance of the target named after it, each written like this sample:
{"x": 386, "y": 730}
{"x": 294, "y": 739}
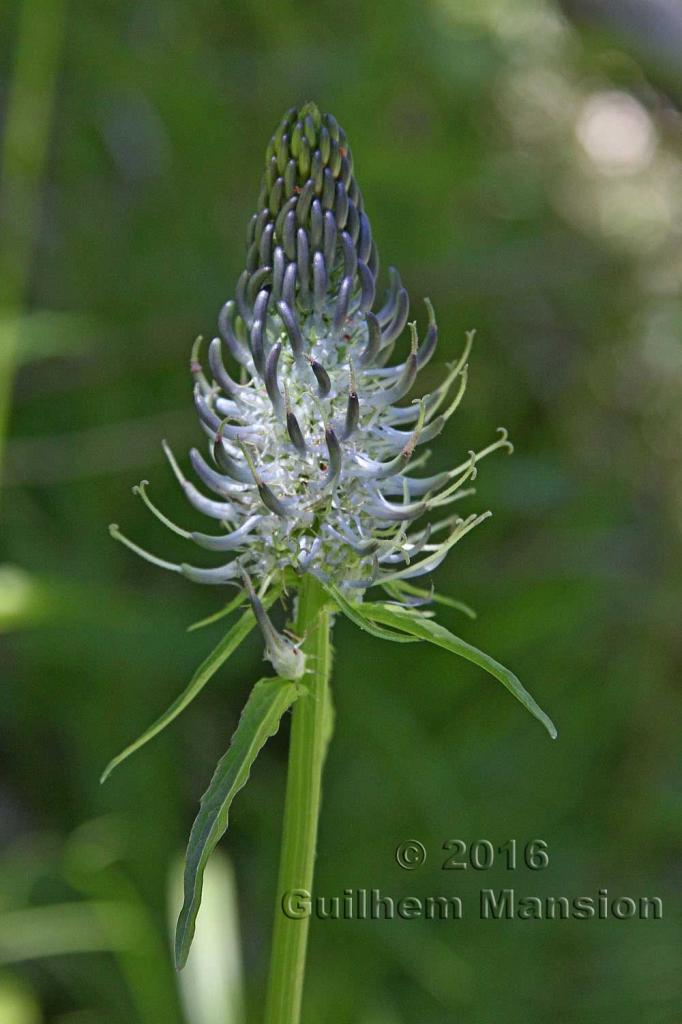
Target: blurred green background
{"x": 522, "y": 166}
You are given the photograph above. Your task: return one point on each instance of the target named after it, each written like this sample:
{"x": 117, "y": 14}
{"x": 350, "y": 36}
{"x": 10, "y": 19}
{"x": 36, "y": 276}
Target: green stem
{"x": 310, "y": 730}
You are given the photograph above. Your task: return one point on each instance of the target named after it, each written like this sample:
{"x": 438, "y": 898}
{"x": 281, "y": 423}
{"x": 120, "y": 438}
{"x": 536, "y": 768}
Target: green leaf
{"x": 218, "y": 656}
{"x": 355, "y": 612}
{"x": 426, "y": 629}
{"x": 260, "y": 719}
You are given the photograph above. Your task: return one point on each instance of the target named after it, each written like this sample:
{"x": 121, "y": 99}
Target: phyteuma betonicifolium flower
{"x": 314, "y": 478}
{"x": 314, "y": 448}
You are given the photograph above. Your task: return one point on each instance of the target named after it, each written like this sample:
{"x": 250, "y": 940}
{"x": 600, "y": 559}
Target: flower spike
{"x": 314, "y": 456}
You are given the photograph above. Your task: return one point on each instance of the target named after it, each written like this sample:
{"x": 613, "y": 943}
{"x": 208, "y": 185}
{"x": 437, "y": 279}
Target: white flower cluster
{"x": 311, "y": 455}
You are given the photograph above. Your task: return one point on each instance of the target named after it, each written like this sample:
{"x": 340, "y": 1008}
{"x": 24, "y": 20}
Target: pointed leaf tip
{"x": 260, "y": 719}
{"x": 209, "y": 666}
{"x": 426, "y": 629}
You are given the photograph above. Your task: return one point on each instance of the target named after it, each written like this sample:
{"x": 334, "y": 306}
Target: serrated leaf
{"x": 209, "y": 666}
{"x": 355, "y": 612}
{"x": 260, "y": 719}
{"x": 433, "y": 632}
